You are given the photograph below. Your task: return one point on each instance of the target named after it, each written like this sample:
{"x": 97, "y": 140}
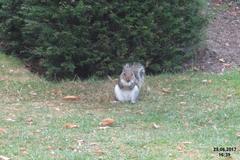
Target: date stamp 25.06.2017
{"x": 224, "y": 151}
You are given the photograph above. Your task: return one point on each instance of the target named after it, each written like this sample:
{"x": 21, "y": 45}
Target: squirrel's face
{"x": 127, "y": 77}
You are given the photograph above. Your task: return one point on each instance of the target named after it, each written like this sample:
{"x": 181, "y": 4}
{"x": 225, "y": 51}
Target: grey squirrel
{"x": 130, "y": 82}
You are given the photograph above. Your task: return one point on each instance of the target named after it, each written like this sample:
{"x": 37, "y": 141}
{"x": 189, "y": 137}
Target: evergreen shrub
{"x": 95, "y": 37}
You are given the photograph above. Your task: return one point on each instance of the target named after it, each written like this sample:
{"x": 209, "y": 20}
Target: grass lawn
{"x": 180, "y": 116}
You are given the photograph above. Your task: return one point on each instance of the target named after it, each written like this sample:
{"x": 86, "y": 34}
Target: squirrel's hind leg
{"x": 118, "y": 93}
{"x": 134, "y": 94}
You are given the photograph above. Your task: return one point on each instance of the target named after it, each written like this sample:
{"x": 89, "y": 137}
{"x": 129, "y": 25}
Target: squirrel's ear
{"x": 126, "y": 65}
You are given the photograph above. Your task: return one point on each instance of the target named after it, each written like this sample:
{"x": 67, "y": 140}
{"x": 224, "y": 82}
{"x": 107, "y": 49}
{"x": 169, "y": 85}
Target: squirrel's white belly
{"x": 126, "y": 95}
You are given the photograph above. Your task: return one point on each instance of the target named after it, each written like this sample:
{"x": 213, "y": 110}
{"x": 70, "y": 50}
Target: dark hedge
{"x": 95, "y": 37}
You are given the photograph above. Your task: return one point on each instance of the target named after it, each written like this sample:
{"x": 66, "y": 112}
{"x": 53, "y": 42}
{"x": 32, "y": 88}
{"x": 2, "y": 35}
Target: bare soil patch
{"x": 222, "y": 50}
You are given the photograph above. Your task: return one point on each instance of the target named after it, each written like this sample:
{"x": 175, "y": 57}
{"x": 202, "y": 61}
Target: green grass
{"x": 193, "y": 117}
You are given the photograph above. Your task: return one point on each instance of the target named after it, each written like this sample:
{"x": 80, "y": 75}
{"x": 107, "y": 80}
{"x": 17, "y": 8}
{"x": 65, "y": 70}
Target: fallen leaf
{"x": 114, "y": 102}
{"x": 4, "y": 158}
{"x": 238, "y": 134}
{"x": 183, "y": 103}
{"x": 156, "y": 126}
{"x": 93, "y": 144}
{"x": 80, "y": 142}
{"x": 2, "y": 79}
{"x": 37, "y": 131}
{"x": 140, "y": 112}
{"x": 70, "y": 125}
{"x": 227, "y": 44}
{"x": 229, "y": 96}
{"x": 56, "y": 92}
{"x": 57, "y": 109}
{"x": 105, "y": 127}
{"x": 207, "y": 81}
{"x": 187, "y": 142}
{"x": 221, "y": 60}
{"x": 107, "y": 122}
{"x": 29, "y": 120}
{"x": 71, "y": 98}
{"x": 166, "y": 90}
{"x": 181, "y": 147}
{"x": 227, "y": 65}
{"x": 50, "y": 147}
{"x": 2, "y": 130}
{"x": 186, "y": 124}
{"x": 193, "y": 154}
{"x": 148, "y": 89}
{"x": 33, "y": 93}
{"x": 23, "y": 151}
{"x": 10, "y": 120}
{"x": 98, "y": 151}
{"x": 196, "y": 69}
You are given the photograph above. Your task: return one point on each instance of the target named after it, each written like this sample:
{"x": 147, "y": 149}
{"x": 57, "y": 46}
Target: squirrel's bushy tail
{"x": 139, "y": 72}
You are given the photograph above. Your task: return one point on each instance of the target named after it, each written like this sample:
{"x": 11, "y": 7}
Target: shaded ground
{"x": 223, "y": 40}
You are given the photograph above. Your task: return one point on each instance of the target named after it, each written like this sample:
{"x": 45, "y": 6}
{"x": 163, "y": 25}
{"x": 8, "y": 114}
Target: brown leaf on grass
{"x": 50, "y": 148}
{"x": 10, "y": 120}
{"x": 4, "y": 158}
{"x": 70, "y": 126}
{"x": 2, "y": 130}
{"x": 107, "y": 122}
{"x": 181, "y": 147}
{"x": 207, "y": 81}
{"x": 98, "y": 151}
{"x": 56, "y": 92}
{"x": 229, "y": 96}
{"x": 238, "y": 134}
{"x": 196, "y": 68}
{"x": 156, "y": 126}
{"x": 186, "y": 124}
{"x": 187, "y": 142}
{"x": 227, "y": 44}
{"x": 140, "y": 112}
{"x": 193, "y": 154}
{"x": 81, "y": 142}
{"x": 183, "y": 103}
{"x": 114, "y": 102}
{"x": 221, "y": 60}
{"x": 227, "y": 65}
{"x": 23, "y": 151}
{"x": 2, "y": 79}
{"x": 29, "y": 120}
{"x": 33, "y": 93}
{"x": 57, "y": 109}
{"x": 166, "y": 90}
{"x": 103, "y": 127}
{"x": 71, "y": 98}
{"x": 148, "y": 89}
